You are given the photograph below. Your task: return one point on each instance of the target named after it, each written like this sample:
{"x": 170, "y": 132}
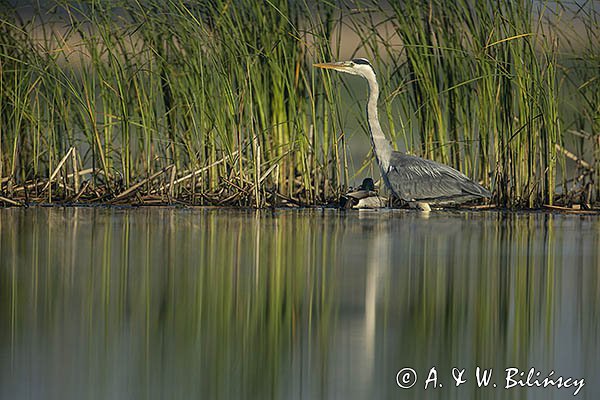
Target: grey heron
{"x": 415, "y": 180}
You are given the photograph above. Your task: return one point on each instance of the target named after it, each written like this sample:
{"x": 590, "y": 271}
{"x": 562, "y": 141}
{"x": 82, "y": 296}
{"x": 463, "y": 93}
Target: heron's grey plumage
{"x": 414, "y": 178}
{"x": 410, "y": 178}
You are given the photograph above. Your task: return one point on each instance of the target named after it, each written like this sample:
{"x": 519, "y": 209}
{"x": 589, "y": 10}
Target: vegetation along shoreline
{"x": 181, "y": 102}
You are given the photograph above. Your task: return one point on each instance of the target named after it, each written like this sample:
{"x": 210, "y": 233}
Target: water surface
{"x": 157, "y": 303}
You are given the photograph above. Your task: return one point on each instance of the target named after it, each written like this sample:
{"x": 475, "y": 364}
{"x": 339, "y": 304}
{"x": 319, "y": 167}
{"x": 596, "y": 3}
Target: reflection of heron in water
{"x": 364, "y": 196}
{"x": 412, "y": 179}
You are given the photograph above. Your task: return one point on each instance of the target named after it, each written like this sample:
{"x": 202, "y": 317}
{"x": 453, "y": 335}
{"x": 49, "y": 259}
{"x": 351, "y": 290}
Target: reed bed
{"x": 481, "y": 86}
{"x": 216, "y": 102}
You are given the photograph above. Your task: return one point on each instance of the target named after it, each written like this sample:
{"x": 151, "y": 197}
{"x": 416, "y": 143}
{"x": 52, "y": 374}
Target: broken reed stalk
{"x": 133, "y": 188}
{"x": 574, "y": 157}
{"x": 197, "y": 172}
{"x": 10, "y": 201}
{"x": 58, "y": 168}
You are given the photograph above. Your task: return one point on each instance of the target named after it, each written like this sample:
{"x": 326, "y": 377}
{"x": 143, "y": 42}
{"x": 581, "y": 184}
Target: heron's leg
{"x": 423, "y": 207}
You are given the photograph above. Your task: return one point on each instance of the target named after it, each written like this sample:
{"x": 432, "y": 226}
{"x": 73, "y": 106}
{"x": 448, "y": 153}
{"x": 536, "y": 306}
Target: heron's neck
{"x": 383, "y": 149}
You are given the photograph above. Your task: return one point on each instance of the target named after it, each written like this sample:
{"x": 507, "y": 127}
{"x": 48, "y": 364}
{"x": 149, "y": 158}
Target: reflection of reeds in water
{"x": 249, "y": 304}
{"x": 501, "y": 289}
{"x": 229, "y": 296}
{"x": 217, "y": 103}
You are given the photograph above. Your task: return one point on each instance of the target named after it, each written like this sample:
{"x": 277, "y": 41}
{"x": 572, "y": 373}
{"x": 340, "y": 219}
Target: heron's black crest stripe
{"x": 362, "y": 61}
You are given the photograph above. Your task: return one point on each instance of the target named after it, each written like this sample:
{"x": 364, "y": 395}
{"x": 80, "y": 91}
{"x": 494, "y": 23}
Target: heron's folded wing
{"x": 415, "y": 178}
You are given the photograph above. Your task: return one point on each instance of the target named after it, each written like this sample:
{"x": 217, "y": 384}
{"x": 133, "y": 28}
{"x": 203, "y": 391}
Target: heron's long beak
{"x": 339, "y": 66}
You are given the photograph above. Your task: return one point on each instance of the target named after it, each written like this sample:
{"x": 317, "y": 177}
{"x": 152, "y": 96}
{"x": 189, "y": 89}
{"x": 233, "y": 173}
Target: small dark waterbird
{"x": 363, "y": 196}
{"x": 413, "y": 179}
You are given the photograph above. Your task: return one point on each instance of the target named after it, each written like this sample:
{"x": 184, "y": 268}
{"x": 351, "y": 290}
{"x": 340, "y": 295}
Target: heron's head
{"x": 357, "y": 66}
